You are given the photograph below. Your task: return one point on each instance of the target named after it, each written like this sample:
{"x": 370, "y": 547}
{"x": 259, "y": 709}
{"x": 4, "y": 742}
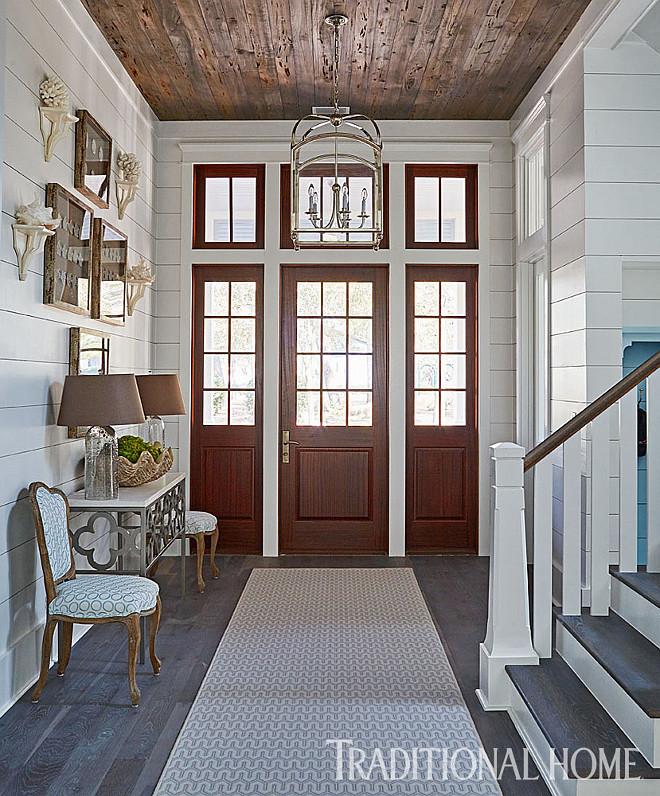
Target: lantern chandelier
{"x": 336, "y": 165}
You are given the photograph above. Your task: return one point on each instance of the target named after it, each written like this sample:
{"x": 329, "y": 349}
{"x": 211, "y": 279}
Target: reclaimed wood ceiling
{"x": 271, "y": 59}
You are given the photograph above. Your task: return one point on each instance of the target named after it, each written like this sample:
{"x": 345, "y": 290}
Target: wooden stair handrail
{"x": 592, "y": 411}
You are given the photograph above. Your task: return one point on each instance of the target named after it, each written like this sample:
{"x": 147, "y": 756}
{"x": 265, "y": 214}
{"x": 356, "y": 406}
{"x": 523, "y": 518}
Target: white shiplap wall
{"x": 604, "y": 181}
{"x": 45, "y": 37}
{"x": 488, "y": 143}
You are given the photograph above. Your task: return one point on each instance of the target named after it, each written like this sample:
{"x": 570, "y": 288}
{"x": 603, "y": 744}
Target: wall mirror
{"x": 67, "y": 262}
{"x": 109, "y": 258}
{"x": 93, "y": 160}
{"x": 89, "y": 355}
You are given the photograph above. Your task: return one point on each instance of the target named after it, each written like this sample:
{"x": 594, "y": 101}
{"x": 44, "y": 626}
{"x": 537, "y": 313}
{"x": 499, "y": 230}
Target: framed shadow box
{"x": 89, "y": 355}
{"x": 68, "y": 253}
{"x": 93, "y": 160}
{"x": 109, "y": 265}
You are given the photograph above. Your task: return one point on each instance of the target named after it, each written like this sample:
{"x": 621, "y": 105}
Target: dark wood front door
{"x": 226, "y": 450}
{"x": 441, "y": 409}
{"x": 333, "y": 404}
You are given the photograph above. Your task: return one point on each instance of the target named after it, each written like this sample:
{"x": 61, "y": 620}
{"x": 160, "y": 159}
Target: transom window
{"x": 334, "y": 359}
{"x": 439, "y": 354}
{"x": 321, "y": 180}
{"x": 441, "y": 206}
{"x": 531, "y": 187}
{"x": 229, "y": 353}
{"x": 229, "y": 206}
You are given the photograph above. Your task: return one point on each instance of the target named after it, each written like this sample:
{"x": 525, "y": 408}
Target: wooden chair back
{"x": 50, "y": 509}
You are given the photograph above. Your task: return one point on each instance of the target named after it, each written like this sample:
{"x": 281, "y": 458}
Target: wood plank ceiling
{"x": 271, "y": 59}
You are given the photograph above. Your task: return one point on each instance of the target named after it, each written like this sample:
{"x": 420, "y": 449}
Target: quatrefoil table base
{"x": 130, "y": 534}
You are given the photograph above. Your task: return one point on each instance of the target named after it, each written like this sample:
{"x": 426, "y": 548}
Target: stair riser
{"x": 639, "y": 612}
{"x": 538, "y": 745}
{"x": 541, "y": 752}
{"x": 643, "y": 730}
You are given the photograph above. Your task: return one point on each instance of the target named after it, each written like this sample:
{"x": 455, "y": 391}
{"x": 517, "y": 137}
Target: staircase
{"x": 575, "y": 659}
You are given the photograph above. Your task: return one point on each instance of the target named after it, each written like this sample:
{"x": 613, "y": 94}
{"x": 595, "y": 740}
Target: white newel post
{"x": 508, "y": 636}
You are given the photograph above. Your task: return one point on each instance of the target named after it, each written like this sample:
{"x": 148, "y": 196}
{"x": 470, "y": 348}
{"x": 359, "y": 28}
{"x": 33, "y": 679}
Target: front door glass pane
{"x": 334, "y": 363}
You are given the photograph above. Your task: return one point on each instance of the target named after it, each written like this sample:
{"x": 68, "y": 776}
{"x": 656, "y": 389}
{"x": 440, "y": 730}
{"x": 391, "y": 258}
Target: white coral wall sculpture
{"x": 54, "y": 114}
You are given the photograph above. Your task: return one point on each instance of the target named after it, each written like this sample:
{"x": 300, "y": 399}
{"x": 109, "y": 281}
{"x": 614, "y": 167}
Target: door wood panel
{"x": 334, "y": 489}
{"x": 442, "y": 464}
{"x": 226, "y": 459}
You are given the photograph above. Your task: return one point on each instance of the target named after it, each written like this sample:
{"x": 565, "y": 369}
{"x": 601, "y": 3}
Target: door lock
{"x": 286, "y": 441}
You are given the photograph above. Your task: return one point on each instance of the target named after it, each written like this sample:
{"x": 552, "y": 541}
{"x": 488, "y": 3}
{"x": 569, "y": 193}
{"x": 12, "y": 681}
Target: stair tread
{"x": 645, "y": 583}
{"x": 628, "y": 656}
{"x": 571, "y": 718}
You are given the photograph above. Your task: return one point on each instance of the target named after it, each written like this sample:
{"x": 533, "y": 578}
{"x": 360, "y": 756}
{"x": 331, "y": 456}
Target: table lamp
{"x": 161, "y": 395}
{"x": 97, "y": 401}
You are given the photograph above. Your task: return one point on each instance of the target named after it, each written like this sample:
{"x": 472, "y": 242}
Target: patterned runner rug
{"x": 329, "y": 681}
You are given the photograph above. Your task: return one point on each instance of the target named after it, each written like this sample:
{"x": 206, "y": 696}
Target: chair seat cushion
{"x": 200, "y": 522}
{"x": 104, "y": 596}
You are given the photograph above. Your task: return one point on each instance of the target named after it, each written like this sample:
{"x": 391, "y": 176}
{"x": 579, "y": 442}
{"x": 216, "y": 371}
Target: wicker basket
{"x": 145, "y": 468}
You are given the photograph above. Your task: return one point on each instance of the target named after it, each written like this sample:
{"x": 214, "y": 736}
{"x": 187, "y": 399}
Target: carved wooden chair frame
{"x": 132, "y": 621}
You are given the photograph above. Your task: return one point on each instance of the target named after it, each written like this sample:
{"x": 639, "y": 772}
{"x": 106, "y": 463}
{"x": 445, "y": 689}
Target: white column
{"x": 508, "y": 636}
{"x": 628, "y": 482}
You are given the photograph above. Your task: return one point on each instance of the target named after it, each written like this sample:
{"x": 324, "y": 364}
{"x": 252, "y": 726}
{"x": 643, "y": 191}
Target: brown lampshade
{"x": 100, "y": 401}
{"x": 161, "y": 394}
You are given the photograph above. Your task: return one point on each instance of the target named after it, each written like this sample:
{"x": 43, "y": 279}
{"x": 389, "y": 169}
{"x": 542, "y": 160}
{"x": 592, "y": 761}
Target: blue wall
{"x": 633, "y": 356}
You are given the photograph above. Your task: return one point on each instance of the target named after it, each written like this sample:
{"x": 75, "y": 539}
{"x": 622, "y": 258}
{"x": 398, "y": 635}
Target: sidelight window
{"x": 439, "y": 351}
{"x": 229, "y": 353}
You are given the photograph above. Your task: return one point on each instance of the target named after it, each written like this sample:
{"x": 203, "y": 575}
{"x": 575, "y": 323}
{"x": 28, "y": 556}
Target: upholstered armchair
{"x": 86, "y": 599}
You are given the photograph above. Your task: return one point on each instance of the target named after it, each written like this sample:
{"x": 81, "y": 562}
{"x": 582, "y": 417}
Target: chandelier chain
{"x": 335, "y": 69}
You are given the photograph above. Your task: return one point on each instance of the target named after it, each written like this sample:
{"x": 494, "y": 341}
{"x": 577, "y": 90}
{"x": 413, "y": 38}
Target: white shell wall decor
{"x": 127, "y": 185}
{"x": 138, "y": 278}
{"x": 54, "y": 114}
{"x": 34, "y": 223}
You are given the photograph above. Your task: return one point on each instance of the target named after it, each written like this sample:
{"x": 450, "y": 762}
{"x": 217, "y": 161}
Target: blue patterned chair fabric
{"x": 200, "y": 522}
{"x": 104, "y": 596}
{"x": 53, "y": 515}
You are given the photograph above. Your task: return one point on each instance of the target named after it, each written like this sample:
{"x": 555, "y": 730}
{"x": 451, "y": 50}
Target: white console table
{"x": 142, "y": 523}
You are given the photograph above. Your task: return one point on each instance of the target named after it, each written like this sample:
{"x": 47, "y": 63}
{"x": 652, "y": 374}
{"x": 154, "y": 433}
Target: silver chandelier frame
{"x": 352, "y": 139}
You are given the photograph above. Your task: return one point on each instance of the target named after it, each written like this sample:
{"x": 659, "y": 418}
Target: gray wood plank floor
{"x": 84, "y": 738}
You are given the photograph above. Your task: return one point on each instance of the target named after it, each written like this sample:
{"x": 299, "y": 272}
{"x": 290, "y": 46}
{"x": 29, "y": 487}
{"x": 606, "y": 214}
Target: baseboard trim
{"x": 78, "y": 632}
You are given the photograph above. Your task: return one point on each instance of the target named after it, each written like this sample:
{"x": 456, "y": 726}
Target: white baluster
{"x": 572, "y": 548}
{"x": 543, "y": 557}
{"x": 628, "y": 482}
{"x": 653, "y": 472}
{"x": 508, "y": 635}
{"x": 600, "y": 514}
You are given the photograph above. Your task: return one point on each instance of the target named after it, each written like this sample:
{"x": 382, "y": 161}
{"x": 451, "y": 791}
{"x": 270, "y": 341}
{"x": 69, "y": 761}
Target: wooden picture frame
{"x": 89, "y": 355}
{"x": 109, "y": 267}
{"x": 68, "y": 253}
{"x": 93, "y": 168}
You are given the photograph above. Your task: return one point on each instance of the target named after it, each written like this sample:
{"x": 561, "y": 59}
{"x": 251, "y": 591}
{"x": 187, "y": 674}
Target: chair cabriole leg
{"x": 133, "y": 625}
{"x": 214, "y": 544}
{"x": 46, "y": 647}
{"x": 154, "y": 624}
{"x": 199, "y": 538}
{"x": 65, "y": 652}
